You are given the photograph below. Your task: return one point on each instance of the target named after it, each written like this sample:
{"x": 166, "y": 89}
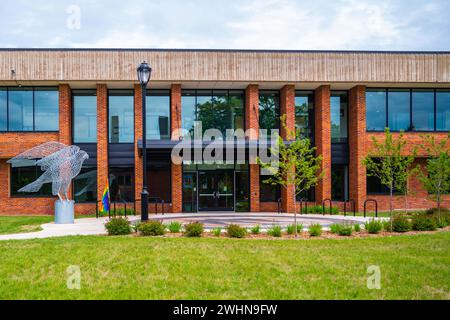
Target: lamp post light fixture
{"x": 144, "y": 72}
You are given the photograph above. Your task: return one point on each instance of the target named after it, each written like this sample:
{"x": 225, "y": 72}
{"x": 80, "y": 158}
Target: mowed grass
{"x": 20, "y": 224}
{"x": 412, "y": 267}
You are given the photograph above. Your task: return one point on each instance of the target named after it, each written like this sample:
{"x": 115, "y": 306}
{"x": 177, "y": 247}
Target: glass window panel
{"x": 339, "y": 182}
{"x": 375, "y": 110}
{"x": 46, "y": 110}
{"x": 221, "y": 113}
{"x": 26, "y": 173}
{"x": 423, "y": 110}
{"x": 3, "y": 109}
{"x": 158, "y": 115}
{"x": 121, "y": 181}
{"x": 188, "y": 110}
{"x": 236, "y": 102}
{"x": 338, "y": 104}
{"x": 20, "y": 109}
{"x": 269, "y": 110}
{"x": 85, "y": 118}
{"x": 399, "y": 109}
{"x": 159, "y": 177}
{"x": 121, "y": 117}
{"x": 304, "y": 114}
{"x": 85, "y": 185}
{"x": 204, "y": 109}
{"x": 443, "y": 110}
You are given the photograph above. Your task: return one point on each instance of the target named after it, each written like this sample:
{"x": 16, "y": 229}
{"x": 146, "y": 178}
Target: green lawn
{"x": 412, "y": 267}
{"x": 20, "y": 224}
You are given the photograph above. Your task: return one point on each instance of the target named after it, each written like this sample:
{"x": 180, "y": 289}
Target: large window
{"x": 375, "y": 109}
{"x": 339, "y": 182}
{"x": 85, "y": 185}
{"x": 216, "y": 109}
{"x": 443, "y": 110}
{"x": 121, "y": 116}
{"x": 304, "y": 113}
{"x": 85, "y": 116}
{"x": 158, "y": 115}
{"x": 269, "y": 110}
{"x": 121, "y": 181}
{"x": 339, "y": 107}
{"x": 24, "y": 172}
{"x": 267, "y": 191}
{"x": 408, "y": 109}
{"x": 29, "y": 109}
{"x": 399, "y": 109}
{"x": 159, "y": 177}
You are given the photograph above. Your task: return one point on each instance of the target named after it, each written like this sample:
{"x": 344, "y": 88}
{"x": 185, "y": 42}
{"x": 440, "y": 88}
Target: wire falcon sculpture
{"x": 60, "y": 163}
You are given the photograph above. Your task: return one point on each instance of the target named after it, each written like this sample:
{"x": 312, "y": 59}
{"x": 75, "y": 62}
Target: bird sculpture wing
{"x": 40, "y": 151}
{"x": 58, "y": 158}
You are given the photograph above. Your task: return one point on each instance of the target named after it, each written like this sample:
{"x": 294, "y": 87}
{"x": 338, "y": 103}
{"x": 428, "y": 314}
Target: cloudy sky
{"x": 227, "y": 24}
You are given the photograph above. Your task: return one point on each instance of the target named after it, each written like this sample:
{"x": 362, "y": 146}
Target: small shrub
{"x": 319, "y": 210}
{"x": 374, "y": 226}
{"x": 174, "y": 227}
{"x": 236, "y": 231}
{"x": 442, "y": 223}
{"x": 290, "y": 228}
{"x": 387, "y": 225}
{"x": 401, "y": 224}
{"x": 118, "y": 226}
{"x": 193, "y": 229}
{"x": 274, "y": 231}
{"x": 256, "y": 229}
{"x": 152, "y": 228}
{"x": 357, "y": 227}
{"x": 334, "y": 228}
{"x": 135, "y": 226}
{"x": 315, "y": 230}
{"x": 424, "y": 223}
{"x": 217, "y": 231}
{"x": 345, "y": 230}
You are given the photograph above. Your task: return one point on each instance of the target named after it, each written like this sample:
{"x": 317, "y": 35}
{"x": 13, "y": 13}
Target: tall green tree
{"x": 388, "y": 163}
{"x": 297, "y": 165}
{"x": 436, "y": 179}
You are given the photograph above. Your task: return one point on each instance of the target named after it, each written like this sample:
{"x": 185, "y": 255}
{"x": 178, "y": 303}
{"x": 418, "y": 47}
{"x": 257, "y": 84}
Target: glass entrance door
{"x": 216, "y": 190}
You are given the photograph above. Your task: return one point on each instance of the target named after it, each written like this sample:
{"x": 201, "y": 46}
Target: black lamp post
{"x": 144, "y": 72}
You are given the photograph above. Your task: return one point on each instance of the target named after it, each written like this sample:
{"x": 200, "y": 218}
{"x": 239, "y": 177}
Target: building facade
{"x": 91, "y": 98}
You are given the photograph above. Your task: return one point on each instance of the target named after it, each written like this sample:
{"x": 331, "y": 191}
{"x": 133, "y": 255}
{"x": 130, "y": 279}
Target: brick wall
{"x": 287, "y": 109}
{"x": 102, "y": 139}
{"x": 252, "y": 122}
{"x": 177, "y": 169}
{"x": 323, "y": 140}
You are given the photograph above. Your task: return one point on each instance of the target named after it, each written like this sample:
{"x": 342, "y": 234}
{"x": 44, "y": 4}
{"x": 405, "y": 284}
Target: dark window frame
{"x": 133, "y": 94}
{"x": 311, "y": 120}
{"x": 161, "y": 93}
{"x": 277, "y": 112}
{"x": 33, "y": 89}
{"x": 82, "y": 92}
{"x": 411, "y": 124}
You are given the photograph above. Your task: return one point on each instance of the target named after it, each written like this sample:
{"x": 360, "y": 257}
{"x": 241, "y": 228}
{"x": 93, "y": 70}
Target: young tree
{"x": 407, "y": 170}
{"x": 298, "y": 166}
{"x": 387, "y": 163}
{"x": 436, "y": 180}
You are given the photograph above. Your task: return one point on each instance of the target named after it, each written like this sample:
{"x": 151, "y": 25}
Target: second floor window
{"x": 339, "y": 106}
{"x": 85, "y": 116}
{"x": 304, "y": 113}
{"x": 269, "y": 110}
{"x": 29, "y": 109}
{"x": 158, "y": 115}
{"x": 121, "y": 116}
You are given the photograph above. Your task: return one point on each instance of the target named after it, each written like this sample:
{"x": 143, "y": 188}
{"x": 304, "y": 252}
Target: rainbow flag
{"x": 104, "y": 205}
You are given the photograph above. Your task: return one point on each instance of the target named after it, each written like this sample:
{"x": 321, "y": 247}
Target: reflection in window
{"x": 304, "y": 113}
{"x": 85, "y": 185}
{"x": 20, "y": 101}
{"x": 24, "y": 172}
{"x": 399, "y": 109}
{"x": 158, "y": 115}
{"x": 85, "y": 116}
{"x": 443, "y": 110}
{"x": 216, "y": 109}
{"x": 338, "y": 105}
{"x": 339, "y": 182}
{"x": 269, "y": 111}
{"x": 3, "y": 109}
{"x": 121, "y": 184}
{"x": 376, "y": 110}
{"x": 121, "y": 116}
{"x": 46, "y": 110}
{"x": 423, "y": 110}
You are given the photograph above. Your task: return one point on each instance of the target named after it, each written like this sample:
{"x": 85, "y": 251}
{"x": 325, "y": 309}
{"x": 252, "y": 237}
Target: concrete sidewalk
{"x": 93, "y": 226}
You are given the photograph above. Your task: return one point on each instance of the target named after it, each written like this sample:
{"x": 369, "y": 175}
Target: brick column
{"x": 138, "y": 176}
{"x": 356, "y": 139}
{"x": 177, "y": 170}
{"x": 102, "y": 138}
{"x": 323, "y": 140}
{"x": 252, "y": 122}
{"x": 287, "y": 109}
{"x": 65, "y": 119}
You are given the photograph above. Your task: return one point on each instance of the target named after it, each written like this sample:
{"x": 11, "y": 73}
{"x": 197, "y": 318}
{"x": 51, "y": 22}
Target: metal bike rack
{"x": 376, "y": 206}
{"x": 323, "y": 205}
{"x": 352, "y": 201}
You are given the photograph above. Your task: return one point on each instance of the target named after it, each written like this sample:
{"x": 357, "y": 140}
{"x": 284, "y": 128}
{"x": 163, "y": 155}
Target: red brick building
{"x": 91, "y": 98}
